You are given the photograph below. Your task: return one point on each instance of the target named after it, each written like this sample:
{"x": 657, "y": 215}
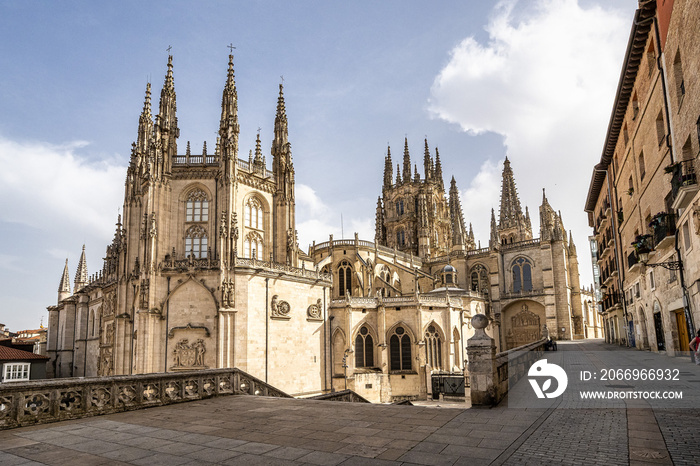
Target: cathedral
{"x": 205, "y": 271}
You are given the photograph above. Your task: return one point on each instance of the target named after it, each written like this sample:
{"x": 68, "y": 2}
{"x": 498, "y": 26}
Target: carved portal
{"x": 524, "y": 328}
{"x": 189, "y": 356}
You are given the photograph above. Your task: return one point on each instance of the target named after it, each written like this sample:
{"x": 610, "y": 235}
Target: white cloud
{"x": 478, "y": 199}
{"x": 50, "y": 188}
{"x": 546, "y": 82}
{"x": 316, "y": 220}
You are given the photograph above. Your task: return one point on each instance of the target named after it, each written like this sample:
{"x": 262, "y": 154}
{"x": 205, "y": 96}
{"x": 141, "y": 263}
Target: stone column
{"x": 481, "y": 354}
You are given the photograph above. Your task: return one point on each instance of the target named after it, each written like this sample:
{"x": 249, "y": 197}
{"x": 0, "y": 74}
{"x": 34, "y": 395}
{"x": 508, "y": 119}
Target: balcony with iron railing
{"x": 663, "y": 226}
{"x": 684, "y": 183}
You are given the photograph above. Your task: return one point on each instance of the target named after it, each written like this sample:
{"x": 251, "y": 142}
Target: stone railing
{"x": 189, "y": 263}
{"x": 521, "y": 244}
{"x": 521, "y": 294}
{"x": 490, "y": 373}
{"x": 38, "y": 402}
{"x": 343, "y": 395}
{"x": 351, "y": 243}
{"x": 403, "y": 300}
{"x": 258, "y": 264}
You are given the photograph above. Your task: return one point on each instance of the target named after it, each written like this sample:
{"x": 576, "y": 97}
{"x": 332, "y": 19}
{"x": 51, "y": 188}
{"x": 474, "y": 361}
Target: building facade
{"x": 204, "y": 271}
{"x": 640, "y": 200}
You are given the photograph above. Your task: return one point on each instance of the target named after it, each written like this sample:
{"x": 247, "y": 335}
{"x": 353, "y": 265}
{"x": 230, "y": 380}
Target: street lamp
{"x": 347, "y": 352}
{"x": 670, "y": 265}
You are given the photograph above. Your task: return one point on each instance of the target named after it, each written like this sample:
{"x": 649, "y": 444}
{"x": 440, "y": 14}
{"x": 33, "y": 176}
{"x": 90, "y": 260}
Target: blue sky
{"x": 532, "y": 79}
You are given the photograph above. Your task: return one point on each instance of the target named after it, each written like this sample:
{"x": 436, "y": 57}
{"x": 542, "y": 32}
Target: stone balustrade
{"x": 343, "y": 395}
{"x": 490, "y": 373}
{"x": 43, "y": 401}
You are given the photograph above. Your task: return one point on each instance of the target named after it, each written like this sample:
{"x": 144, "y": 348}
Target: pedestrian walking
{"x": 695, "y": 346}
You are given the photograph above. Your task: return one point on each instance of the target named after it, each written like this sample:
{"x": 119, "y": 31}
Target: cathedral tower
{"x": 413, "y": 214}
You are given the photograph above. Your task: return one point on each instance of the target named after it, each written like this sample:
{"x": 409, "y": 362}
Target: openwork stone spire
{"x": 280, "y": 142}
{"x": 406, "y": 162}
{"x": 388, "y": 169}
{"x": 145, "y": 123}
{"x": 438, "y": 170}
{"x": 427, "y": 162}
{"x": 494, "y": 239}
{"x": 229, "y": 128}
{"x": 459, "y": 235}
{"x": 511, "y": 212}
{"x": 81, "y": 275}
{"x": 513, "y": 226}
{"x": 64, "y": 286}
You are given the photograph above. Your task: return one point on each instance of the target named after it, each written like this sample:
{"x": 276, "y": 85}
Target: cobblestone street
{"x": 256, "y": 430}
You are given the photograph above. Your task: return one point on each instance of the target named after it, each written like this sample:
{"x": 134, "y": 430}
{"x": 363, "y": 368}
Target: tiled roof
{"x": 13, "y": 354}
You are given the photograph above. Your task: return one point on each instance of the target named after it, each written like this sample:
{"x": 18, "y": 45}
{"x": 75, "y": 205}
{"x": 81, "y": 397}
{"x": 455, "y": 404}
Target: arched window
{"x": 400, "y": 350}
{"x": 432, "y": 342}
{"x": 197, "y": 206}
{"x": 338, "y": 352}
{"x": 344, "y": 278}
{"x": 254, "y": 213}
{"x": 253, "y": 246}
{"x": 522, "y": 275}
{"x": 458, "y": 354}
{"x": 400, "y": 237}
{"x": 196, "y": 242}
{"x": 480, "y": 279}
{"x": 364, "y": 349}
{"x": 399, "y": 207}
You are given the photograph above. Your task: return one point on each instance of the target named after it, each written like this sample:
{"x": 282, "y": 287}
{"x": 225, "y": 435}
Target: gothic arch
{"x": 435, "y": 343}
{"x": 191, "y": 187}
{"x": 402, "y": 349}
{"x": 339, "y": 344}
{"x": 365, "y": 356}
{"x": 521, "y": 268}
{"x": 255, "y": 200}
{"x": 180, "y": 285}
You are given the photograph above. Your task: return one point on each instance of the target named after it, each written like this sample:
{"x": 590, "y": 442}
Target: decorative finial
{"x": 231, "y": 47}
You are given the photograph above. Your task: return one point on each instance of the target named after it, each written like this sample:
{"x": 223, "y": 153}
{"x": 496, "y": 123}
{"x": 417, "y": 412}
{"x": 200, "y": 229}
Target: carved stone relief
{"x": 524, "y": 328}
{"x": 227, "y": 293}
{"x": 314, "y": 311}
{"x": 189, "y": 356}
{"x": 279, "y": 309}
{"x": 105, "y": 365}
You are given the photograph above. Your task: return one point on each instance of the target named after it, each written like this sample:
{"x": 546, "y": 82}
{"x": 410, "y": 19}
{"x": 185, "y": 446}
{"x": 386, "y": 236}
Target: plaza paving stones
{"x": 245, "y": 430}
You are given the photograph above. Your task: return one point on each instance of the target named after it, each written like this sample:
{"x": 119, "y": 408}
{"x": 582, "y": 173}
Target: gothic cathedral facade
{"x": 205, "y": 271}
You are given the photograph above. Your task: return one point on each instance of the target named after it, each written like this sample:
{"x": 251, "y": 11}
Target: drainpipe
{"x": 325, "y": 346}
{"x": 167, "y": 328}
{"x": 267, "y": 319}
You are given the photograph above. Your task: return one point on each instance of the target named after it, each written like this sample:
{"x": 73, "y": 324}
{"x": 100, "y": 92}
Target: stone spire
{"x": 280, "y": 144}
{"x": 512, "y": 224}
{"x": 379, "y": 231}
{"x": 258, "y": 163}
{"x": 572, "y": 246}
{"x": 438, "y": 170}
{"x": 510, "y": 212}
{"x": 165, "y": 129}
{"x": 398, "y": 174}
{"x": 64, "y": 286}
{"x": 388, "y": 169}
{"x": 416, "y": 176}
{"x": 229, "y": 129}
{"x": 471, "y": 235}
{"x": 285, "y": 243}
{"x": 547, "y": 219}
{"x": 145, "y": 123}
{"x": 406, "y": 162}
{"x": 494, "y": 240}
{"x": 427, "y": 162}
{"x": 81, "y": 275}
{"x": 459, "y": 236}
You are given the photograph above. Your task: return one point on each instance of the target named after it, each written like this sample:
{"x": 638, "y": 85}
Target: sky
{"x": 533, "y": 80}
